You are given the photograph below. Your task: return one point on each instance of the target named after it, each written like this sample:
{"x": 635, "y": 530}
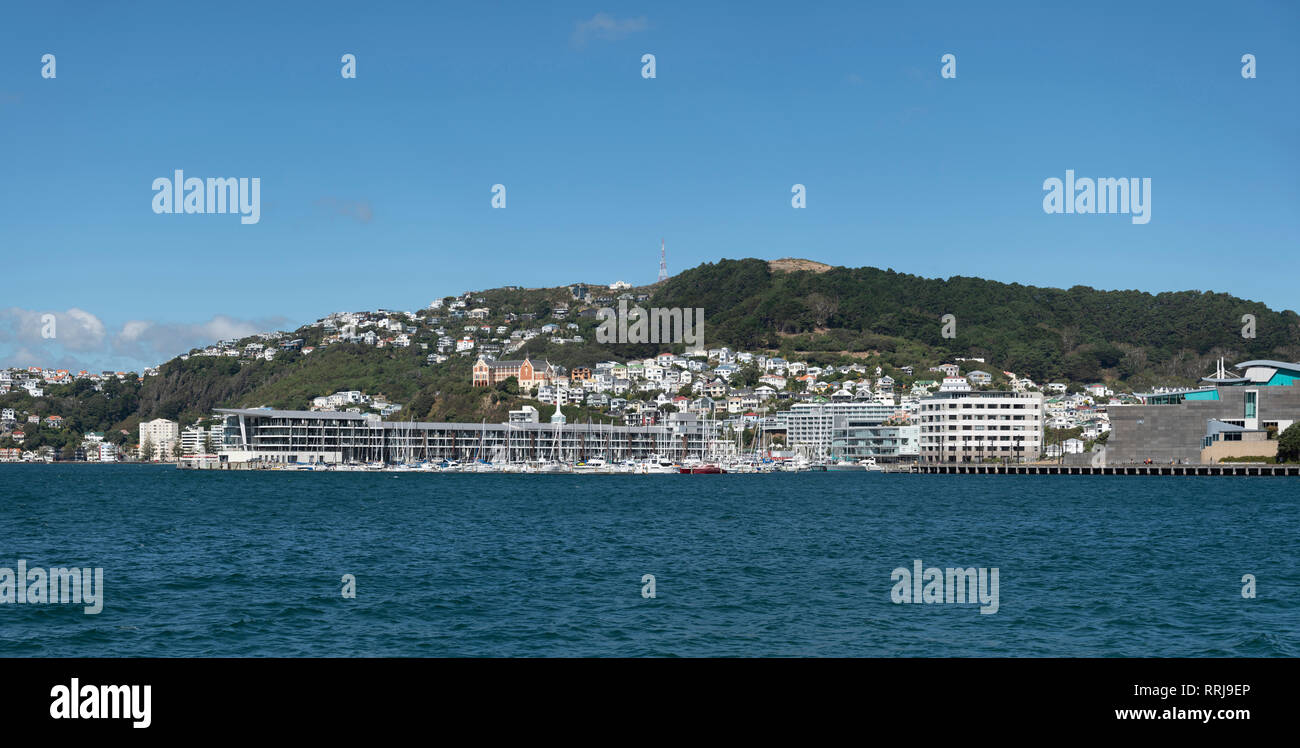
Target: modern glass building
{"x": 810, "y": 427}
{"x": 855, "y": 439}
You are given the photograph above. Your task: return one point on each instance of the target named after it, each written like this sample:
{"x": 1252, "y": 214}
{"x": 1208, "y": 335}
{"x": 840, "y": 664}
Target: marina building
{"x": 298, "y": 436}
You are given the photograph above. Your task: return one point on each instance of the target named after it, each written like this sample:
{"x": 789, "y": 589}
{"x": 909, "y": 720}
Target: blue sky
{"x": 375, "y": 192}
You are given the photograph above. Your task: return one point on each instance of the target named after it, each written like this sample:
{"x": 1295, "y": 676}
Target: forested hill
{"x": 1079, "y": 333}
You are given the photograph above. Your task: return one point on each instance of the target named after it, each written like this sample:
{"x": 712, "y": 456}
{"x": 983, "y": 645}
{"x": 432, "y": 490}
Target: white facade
{"x": 954, "y": 384}
{"x": 193, "y": 443}
{"x": 161, "y": 434}
{"x": 981, "y": 426}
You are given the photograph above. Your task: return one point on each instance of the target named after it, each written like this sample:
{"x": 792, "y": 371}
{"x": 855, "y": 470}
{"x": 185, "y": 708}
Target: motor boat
{"x": 701, "y": 468}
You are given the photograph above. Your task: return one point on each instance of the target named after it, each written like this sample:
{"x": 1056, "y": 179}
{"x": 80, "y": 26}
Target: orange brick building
{"x": 530, "y": 375}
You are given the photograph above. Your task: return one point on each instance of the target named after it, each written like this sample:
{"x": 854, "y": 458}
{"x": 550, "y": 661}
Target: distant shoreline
{"x": 1241, "y": 470}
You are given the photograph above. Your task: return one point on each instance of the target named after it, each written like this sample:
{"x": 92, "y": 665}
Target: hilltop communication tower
{"x": 663, "y": 262}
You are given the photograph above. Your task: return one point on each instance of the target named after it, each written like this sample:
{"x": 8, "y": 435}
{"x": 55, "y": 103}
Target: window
{"x": 1250, "y": 404}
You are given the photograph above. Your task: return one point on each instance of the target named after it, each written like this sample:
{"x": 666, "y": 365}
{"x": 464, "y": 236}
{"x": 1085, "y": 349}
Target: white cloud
{"x": 73, "y": 329}
{"x": 148, "y": 340}
{"x": 81, "y": 339}
{"x": 358, "y": 209}
{"x": 608, "y": 28}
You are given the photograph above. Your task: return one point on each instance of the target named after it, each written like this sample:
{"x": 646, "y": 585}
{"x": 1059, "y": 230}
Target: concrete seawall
{"x": 1240, "y": 470}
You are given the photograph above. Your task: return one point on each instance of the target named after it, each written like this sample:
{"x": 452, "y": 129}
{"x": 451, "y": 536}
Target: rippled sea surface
{"x": 249, "y": 563}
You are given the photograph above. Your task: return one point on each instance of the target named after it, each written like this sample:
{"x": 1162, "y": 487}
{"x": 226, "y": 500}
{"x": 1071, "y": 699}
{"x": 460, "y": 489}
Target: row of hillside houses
{"x": 34, "y": 379}
{"x": 710, "y": 373}
{"x": 10, "y": 418}
{"x": 353, "y": 401}
{"x": 383, "y": 328}
{"x": 667, "y": 368}
{"x": 380, "y": 328}
{"x": 265, "y": 348}
{"x": 1078, "y": 411}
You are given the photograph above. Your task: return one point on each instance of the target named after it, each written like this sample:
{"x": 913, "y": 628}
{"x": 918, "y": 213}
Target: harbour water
{"x": 250, "y": 563}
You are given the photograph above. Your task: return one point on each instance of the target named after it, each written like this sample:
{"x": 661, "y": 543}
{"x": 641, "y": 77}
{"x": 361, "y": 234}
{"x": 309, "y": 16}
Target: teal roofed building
{"x": 1176, "y": 397}
{"x": 1262, "y": 373}
{"x": 1256, "y": 404}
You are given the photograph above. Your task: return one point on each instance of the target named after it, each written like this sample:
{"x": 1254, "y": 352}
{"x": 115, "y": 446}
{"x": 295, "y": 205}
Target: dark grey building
{"x": 1174, "y": 426}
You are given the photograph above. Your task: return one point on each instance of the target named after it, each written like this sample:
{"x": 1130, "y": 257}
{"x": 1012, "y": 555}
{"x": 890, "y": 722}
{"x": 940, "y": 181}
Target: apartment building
{"x": 161, "y": 434}
{"x": 981, "y": 426}
{"x": 811, "y": 426}
{"x": 196, "y": 440}
{"x": 854, "y": 440}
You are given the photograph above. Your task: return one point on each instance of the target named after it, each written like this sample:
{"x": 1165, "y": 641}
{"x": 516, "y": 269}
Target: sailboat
{"x": 555, "y": 463}
{"x": 705, "y": 465}
{"x": 481, "y": 463}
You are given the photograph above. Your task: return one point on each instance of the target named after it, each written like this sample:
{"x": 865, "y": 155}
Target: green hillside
{"x": 1079, "y": 334}
{"x": 821, "y": 314}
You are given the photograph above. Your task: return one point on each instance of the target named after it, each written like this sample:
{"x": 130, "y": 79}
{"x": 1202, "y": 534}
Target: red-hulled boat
{"x": 701, "y": 469}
